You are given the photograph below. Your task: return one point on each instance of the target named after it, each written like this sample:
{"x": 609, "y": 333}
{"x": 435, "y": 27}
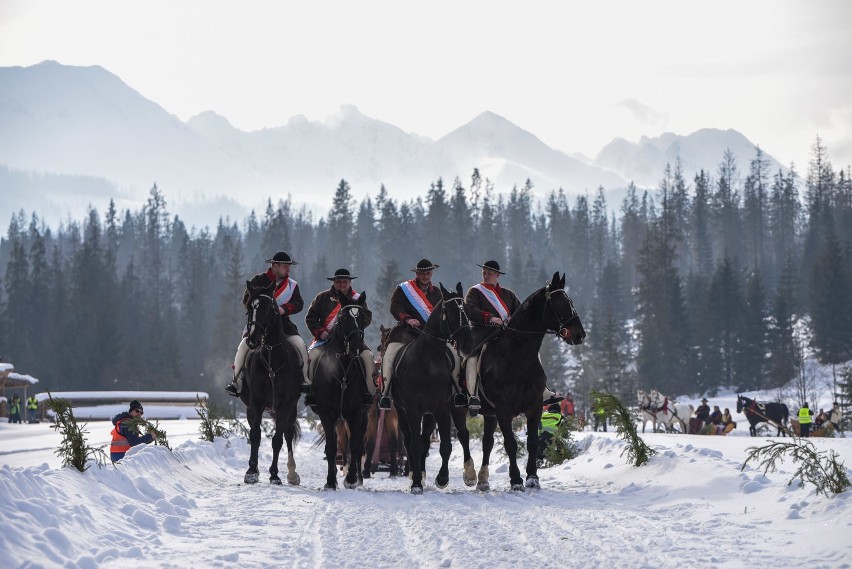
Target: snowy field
{"x": 689, "y": 507}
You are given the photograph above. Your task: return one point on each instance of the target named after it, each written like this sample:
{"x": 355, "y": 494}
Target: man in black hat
{"x": 321, "y": 318}
{"x": 488, "y": 305}
{"x": 124, "y": 435}
{"x": 410, "y": 305}
{"x": 289, "y": 301}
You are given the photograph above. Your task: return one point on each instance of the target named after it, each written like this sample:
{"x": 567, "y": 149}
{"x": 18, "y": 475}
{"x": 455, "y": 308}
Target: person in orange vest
{"x": 124, "y": 436}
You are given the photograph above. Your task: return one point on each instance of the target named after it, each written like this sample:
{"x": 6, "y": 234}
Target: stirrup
{"x": 367, "y": 399}
{"x": 231, "y": 389}
{"x": 459, "y": 400}
{"x": 385, "y": 403}
{"x": 306, "y": 388}
{"x": 310, "y": 399}
{"x": 473, "y": 404}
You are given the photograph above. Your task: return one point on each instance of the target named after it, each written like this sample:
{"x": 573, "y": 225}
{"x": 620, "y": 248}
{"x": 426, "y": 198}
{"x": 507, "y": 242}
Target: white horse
{"x": 662, "y": 410}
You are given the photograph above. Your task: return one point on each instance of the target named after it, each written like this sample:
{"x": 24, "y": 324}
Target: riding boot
{"x": 310, "y": 399}
{"x": 474, "y": 404}
{"x": 236, "y": 384}
{"x": 459, "y": 399}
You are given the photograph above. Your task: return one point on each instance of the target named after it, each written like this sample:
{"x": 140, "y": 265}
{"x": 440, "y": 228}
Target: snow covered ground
{"x": 690, "y": 506}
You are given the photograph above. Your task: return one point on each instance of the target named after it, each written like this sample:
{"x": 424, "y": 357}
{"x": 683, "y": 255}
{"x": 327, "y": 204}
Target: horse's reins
{"x": 752, "y": 408}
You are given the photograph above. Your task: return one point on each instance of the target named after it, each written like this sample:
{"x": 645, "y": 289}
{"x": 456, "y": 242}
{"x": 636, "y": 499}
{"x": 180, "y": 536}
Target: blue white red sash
{"x": 495, "y": 300}
{"x": 284, "y": 292}
{"x": 417, "y": 298}
{"x": 331, "y": 322}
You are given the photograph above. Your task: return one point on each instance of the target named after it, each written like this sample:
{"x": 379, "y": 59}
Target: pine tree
{"x": 750, "y": 362}
{"x": 782, "y": 364}
{"x": 831, "y": 303}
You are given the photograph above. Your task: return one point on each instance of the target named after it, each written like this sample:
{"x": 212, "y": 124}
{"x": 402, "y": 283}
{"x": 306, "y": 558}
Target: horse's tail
{"x": 785, "y": 415}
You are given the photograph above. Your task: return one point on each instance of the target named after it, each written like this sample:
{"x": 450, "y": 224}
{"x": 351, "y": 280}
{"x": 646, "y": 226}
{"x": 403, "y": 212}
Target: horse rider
{"x": 489, "y": 307}
{"x": 289, "y": 301}
{"x": 321, "y": 319}
{"x": 410, "y": 305}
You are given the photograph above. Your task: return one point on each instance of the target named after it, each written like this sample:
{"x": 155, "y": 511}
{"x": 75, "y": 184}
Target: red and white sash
{"x": 284, "y": 292}
{"x": 417, "y": 298}
{"x": 331, "y": 321}
{"x": 494, "y": 299}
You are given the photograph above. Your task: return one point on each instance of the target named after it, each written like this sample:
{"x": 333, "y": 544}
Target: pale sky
{"x": 576, "y": 74}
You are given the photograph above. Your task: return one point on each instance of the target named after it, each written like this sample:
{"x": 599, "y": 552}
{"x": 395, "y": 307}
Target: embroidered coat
{"x": 322, "y": 306}
{"x": 293, "y": 306}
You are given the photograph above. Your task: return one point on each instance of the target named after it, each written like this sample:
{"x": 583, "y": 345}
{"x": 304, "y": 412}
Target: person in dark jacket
{"x": 702, "y": 413}
{"x": 489, "y": 306}
{"x": 410, "y": 305}
{"x": 289, "y": 301}
{"x": 123, "y": 435}
{"x": 716, "y": 416}
{"x": 321, "y": 318}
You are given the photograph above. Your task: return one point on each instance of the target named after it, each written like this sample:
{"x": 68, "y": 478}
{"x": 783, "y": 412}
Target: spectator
{"x": 726, "y": 417}
{"x": 820, "y": 419}
{"x": 32, "y": 407}
{"x": 125, "y": 435}
{"x": 716, "y": 416}
{"x": 835, "y": 416}
{"x": 600, "y": 415}
{"x": 15, "y": 409}
{"x": 805, "y": 415}
{"x": 550, "y": 421}
{"x": 566, "y": 407}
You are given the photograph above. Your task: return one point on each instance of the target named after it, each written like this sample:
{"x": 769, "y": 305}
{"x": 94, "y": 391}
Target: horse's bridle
{"x": 253, "y": 322}
{"x": 563, "y": 329}
{"x": 357, "y": 333}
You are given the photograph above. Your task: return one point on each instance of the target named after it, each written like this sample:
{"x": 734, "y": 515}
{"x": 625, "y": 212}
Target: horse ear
{"x": 562, "y": 281}
{"x": 444, "y": 291}
{"x": 554, "y": 282}
{"x": 459, "y": 289}
{"x": 362, "y": 300}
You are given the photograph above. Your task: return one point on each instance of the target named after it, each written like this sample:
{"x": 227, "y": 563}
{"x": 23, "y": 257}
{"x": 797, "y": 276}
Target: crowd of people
{"x": 15, "y": 407}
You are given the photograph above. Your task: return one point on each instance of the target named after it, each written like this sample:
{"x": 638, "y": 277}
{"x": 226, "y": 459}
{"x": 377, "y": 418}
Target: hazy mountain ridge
{"x": 85, "y": 121}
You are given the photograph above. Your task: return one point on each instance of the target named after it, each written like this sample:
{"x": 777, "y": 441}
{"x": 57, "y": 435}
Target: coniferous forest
{"x": 727, "y": 279}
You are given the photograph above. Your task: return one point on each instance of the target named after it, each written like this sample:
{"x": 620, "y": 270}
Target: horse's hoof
{"x": 442, "y": 482}
{"x": 532, "y": 482}
{"x": 417, "y": 490}
{"x": 483, "y": 486}
{"x": 329, "y": 486}
{"x": 351, "y": 485}
{"x": 518, "y": 487}
{"x": 275, "y": 480}
{"x": 293, "y": 479}
{"x": 251, "y": 478}
{"x": 367, "y": 474}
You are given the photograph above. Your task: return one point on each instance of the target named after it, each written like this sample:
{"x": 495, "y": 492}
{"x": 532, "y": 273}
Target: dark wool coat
{"x": 321, "y": 307}
{"x": 401, "y": 309}
{"x": 480, "y": 310}
{"x": 293, "y": 307}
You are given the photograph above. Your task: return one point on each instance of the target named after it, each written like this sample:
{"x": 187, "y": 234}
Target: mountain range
{"x": 75, "y": 136}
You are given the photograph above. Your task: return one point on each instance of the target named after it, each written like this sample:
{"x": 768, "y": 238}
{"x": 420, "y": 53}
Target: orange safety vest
{"x": 120, "y": 445}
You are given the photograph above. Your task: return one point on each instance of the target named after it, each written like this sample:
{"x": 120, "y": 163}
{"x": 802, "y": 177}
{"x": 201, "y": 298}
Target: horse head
{"x": 454, "y": 320}
{"x": 351, "y": 321}
{"x": 642, "y": 398}
{"x": 261, "y": 310}
{"x": 740, "y": 403}
{"x": 560, "y": 314}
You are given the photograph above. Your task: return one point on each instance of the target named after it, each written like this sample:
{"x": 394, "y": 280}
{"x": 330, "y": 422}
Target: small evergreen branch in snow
{"x": 561, "y": 446}
{"x": 638, "y": 453}
{"x": 819, "y": 468}
{"x": 212, "y": 421}
{"x": 73, "y": 450}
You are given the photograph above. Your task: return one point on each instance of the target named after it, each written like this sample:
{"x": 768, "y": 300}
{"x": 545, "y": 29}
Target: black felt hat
{"x": 283, "y": 258}
{"x": 491, "y": 266}
{"x": 135, "y": 405}
{"x": 424, "y": 265}
{"x": 342, "y": 274}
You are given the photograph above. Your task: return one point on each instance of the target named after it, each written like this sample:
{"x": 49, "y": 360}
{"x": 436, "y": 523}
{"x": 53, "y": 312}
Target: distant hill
{"x": 87, "y": 124}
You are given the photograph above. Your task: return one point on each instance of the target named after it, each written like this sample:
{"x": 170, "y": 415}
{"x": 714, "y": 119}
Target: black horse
{"x": 513, "y": 379}
{"x": 273, "y": 376}
{"x": 776, "y": 413}
{"x": 338, "y": 382}
{"x": 422, "y": 387}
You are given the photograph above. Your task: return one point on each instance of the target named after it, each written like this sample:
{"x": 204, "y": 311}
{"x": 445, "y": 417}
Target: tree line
{"x": 726, "y": 279}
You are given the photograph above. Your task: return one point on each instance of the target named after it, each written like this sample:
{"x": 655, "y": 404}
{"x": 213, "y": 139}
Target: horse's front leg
{"x": 354, "y": 477}
{"x": 328, "y": 426}
{"x": 533, "y": 421}
{"x": 277, "y": 443}
{"x": 415, "y": 451}
{"x": 511, "y": 446}
{"x": 460, "y": 421}
{"x": 252, "y": 475}
{"x": 446, "y": 449}
{"x": 490, "y": 425}
{"x": 290, "y": 435}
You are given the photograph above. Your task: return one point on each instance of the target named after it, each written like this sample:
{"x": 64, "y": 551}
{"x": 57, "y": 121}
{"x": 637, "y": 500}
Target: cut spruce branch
{"x": 638, "y": 453}
{"x": 819, "y": 468}
{"x": 73, "y": 450}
